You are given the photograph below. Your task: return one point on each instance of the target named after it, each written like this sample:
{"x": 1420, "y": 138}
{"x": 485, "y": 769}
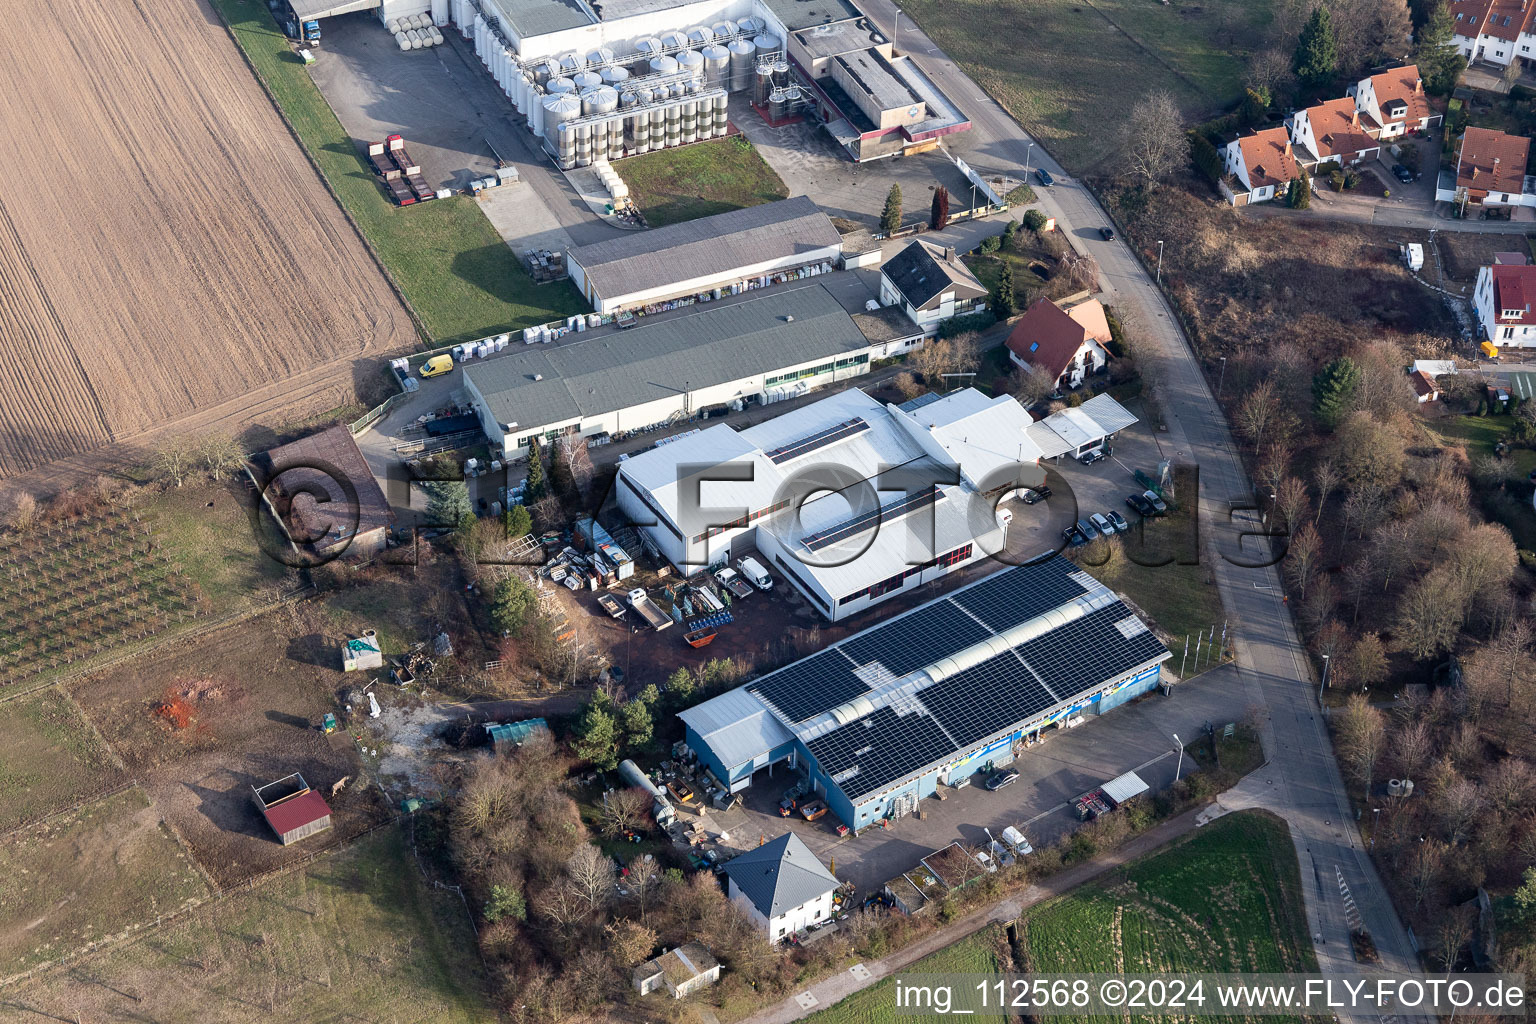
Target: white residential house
{"x": 1392, "y": 103}
{"x": 1502, "y": 301}
{"x": 1494, "y": 31}
{"x": 1329, "y": 132}
{"x": 1262, "y": 163}
{"x": 782, "y": 886}
{"x": 1490, "y": 171}
{"x": 931, "y": 284}
{"x": 1065, "y": 340}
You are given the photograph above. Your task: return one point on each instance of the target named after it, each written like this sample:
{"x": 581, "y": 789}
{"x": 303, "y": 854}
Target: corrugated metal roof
{"x": 296, "y": 812}
{"x": 539, "y": 17}
{"x": 1070, "y": 429}
{"x": 1110, "y": 415}
{"x": 737, "y": 726}
{"x": 710, "y": 345}
{"x": 709, "y": 247}
{"x": 1050, "y": 443}
{"x": 780, "y": 875}
{"x": 988, "y": 438}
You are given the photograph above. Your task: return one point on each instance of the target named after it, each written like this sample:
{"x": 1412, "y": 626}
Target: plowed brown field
{"x": 166, "y": 251}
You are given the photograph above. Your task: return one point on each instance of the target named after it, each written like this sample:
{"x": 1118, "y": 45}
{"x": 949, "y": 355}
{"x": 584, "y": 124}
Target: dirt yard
{"x": 199, "y": 722}
{"x": 1467, "y": 252}
{"x": 166, "y": 251}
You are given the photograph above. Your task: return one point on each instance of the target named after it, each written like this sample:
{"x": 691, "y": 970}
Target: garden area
{"x": 975, "y": 954}
{"x": 700, "y": 180}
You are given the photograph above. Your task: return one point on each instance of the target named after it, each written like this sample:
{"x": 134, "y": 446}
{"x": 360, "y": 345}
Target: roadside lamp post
{"x": 1159, "y": 261}
{"x": 1222, "y": 383}
{"x": 1180, "y": 766}
{"x": 1324, "y": 682}
{"x": 1028, "y": 153}
{"x": 1374, "y": 819}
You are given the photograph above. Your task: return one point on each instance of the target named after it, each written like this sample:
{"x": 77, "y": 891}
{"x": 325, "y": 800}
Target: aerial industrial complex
{"x": 880, "y": 720}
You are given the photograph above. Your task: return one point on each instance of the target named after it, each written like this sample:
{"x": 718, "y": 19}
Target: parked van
{"x": 437, "y": 365}
{"x": 753, "y": 570}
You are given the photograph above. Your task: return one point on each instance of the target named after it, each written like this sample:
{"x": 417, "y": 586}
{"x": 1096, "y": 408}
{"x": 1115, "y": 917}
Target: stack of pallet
{"x": 402, "y": 177}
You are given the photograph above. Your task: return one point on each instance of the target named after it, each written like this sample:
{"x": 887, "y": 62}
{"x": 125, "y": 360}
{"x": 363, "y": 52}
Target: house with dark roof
{"x": 323, "y": 496}
{"x": 1064, "y": 340}
{"x": 1392, "y": 103}
{"x": 930, "y": 284}
{"x": 1263, "y": 164}
{"x": 1332, "y": 132}
{"x": 782, "y": 886}
{"x": 680, "y": 971}
{"x": 1490, "y": 171}
{"x": 723, "y": 254}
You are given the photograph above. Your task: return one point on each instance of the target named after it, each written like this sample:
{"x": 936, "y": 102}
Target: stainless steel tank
{"x": 692, "y": 63}
{"x": 663, "y": 65}
{"x": 768, "y": 44}
{"x": 587, "y": 80}
{"x": 698, "y": 36}
{"x": 613, "y": 74}
{"x": 743, "y": 55}
{"x": 556, "y": 86}
{"x": 717, "y": 65}
{"x": 725, "y": 30}
{"x": 762, "y": 84}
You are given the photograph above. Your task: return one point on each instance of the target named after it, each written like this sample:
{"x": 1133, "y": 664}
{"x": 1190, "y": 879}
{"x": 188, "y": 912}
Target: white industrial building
{"x": 707, "y": 258}
{"x": 764, "y": 346}
{"x": 851, "y": 500}
{"x": 1078, "y": 431}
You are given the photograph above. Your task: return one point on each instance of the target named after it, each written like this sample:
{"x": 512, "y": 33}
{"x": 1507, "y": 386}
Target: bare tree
{"x": 1257, "y": 412}
{"x": 1367, "y": 660}
{"x": 1411, "y": 747}
{"x": 1431, "y": 615}
{"x": 1302, "y": 557}
{"x": 1424, "y": 868}
{"x": 1031, "y": 385}
{"x": 624, "y": 810}
{"x": 1361, "y": 736}
{"x": 1292, "y": 500}
{"x": 1454, "y": 931}
{"x": 1359, "y": 577}
{"x": 906, "y": 384}
{"x": 1457, "y": 806}
{"x": 221, "y": 454}
{"x": 1269, "y": 69}
{"x": 1154, "y": 143}
{"x": 590, "y": 875}
{"x": 1509, "y": 786}
{"x": 1325, "y": 477}
{"x": 173, "y": 459}
{"x": 22, "y": 516}
{"x": 629, "y": 942}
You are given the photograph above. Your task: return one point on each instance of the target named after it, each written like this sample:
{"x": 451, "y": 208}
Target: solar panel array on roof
{"x": 985, "y": 698}
{"x": 864, "y": 755}
{"x": 1018, "y": 595}
{"x": 1084, "y": 653}
{"x": 885, "y": 513}
{"x": 939, "y": 627}
{"x": 810, "y": 686}
{"x": 820, "y": 439}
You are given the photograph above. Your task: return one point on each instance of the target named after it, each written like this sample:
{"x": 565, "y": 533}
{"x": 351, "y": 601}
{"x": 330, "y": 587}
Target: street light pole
{"x": 1374, "y": 811}
{"x": 1028, "y": 153}
{"x": 1159, "y": 262}
{"x": 1324, "y": 681}
{"x": 1180, "y": 766}
{"x": 1221, "y": 384}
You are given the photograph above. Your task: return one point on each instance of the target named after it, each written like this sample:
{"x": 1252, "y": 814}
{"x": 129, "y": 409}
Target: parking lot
{"x": 1137, "y": 737}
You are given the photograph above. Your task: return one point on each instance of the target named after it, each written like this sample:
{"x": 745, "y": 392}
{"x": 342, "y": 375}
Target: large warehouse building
{"x": 709, "y": 257}
{"x": 881, "y": 719}
{"x": 752, "y": 347}
{"x": 851, "y": 500}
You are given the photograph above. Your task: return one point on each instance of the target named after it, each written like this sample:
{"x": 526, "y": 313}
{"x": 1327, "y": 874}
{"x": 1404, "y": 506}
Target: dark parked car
{"x": 1108, "y": 234}
{"x": 1402, "y": 173}
{"x": 1075, "y": 536}
{"x": 1003, "y": 778}
{"x": 1034, "y": 494}
{"x": 1117, "y": 521}
{"x": 1045, "y": 177}
{"x": 1089, "y": 458}
{"x": 1140, "y": 504}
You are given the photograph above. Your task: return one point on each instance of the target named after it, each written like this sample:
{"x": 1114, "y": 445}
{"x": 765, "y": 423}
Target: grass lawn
{"x": 974, "y": 955}
{"x": 79, "y": 878}
{"x": 358, "y": 936}
{"x": 1224, "y": 898}
{"x": 458, "y": 274}
{"x": 217, "y": 546}
{"x": 53, "y": 758}
{"x": 1070, "y": 70}
{"x": 1476, "y": 435}
{"x": 696, "y": 181}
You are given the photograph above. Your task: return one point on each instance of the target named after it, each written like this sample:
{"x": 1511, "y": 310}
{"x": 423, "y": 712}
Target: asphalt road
{"x": 1302, "y": 782}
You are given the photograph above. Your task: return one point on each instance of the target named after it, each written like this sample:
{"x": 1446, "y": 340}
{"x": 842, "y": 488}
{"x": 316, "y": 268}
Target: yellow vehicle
{"x": 1490, "y": 349}
{"x": 437, "y": 365}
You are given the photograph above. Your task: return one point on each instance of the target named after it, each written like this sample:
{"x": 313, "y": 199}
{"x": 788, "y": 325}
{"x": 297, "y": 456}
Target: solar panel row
{"x": 885, "y": 513}
{"x": 820, "y": 439}
{"x": 810, "y": 686}
{"x": 897, "y": 742}
{"x": 1021, "y": 593}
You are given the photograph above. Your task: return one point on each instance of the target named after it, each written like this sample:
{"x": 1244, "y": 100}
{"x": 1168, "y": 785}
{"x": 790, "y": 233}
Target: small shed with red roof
{"x": 292, "y": 809}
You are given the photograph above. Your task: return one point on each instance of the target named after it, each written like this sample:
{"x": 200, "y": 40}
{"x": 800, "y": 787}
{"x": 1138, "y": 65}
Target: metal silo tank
{"x": 674, "y": 41}
{"x": 725, "y": 30}
{"x": 776, "y": 105}
{"x": 658, "y": 127}
{"x": 663, "y": 65}
{"x": 767, "y": 44}
{"x": 762, "y": 84}
{"x": 645, "y": 48}
{"x": 570, "y": 63}
{"x": 640, "y": 132}
{"x": 698, "y": 36}
{"x": 677, "y": 90}
{"x": 439, "y": 12}
{"x": 557, "y": 86}
{"x": 792, "y": 99}
{"x": 750, "y": 26}
{"x": 600, "y": 57}
{"x": 587, "y": 80}
{"x": 674, "y": 133}
{"x": 692, "y": 63}
{"x": 722, "y": 115}
{"x": 583, "y": 132}
{"x": 743, "y": 54}
{"x": 717, "y": 65}
{"x": 542, "y": 73}
{"x": 614, "y": 74}
{"x": 558, "y": 109}
{"x": 781, "y": 74}
{"x": 536, "y": 113}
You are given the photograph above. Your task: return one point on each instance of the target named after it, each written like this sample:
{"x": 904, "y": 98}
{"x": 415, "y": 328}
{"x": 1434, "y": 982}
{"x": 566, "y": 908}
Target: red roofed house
{"x": 1064, "y": 340}
{"x": 1263, "y": 163}
{"x": 1502, "y": 300}
{"x": 1424, "y": 386}
{"x": 1393, "y": 103}
{"x": 292, "y": 809}
{"x": 1332, "y": 131}
{"x": 1490, "y": 170}
{"x": 1493, "y": 31}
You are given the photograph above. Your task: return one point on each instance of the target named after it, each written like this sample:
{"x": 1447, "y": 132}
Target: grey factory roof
{"x": 540, "y": 17}
{"x": 780, "y": 875}
{"x": 798, "y": 14}
{"x": 829, "y": 40}
{"x": 707, "y": 247}
{"x": 922, "y": 273}
{"x": 768, "y": 330}
{"x": 875, "y": 75}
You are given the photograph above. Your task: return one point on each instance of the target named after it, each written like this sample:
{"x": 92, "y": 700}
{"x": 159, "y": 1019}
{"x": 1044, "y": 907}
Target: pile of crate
{"x": 402, "y": 177}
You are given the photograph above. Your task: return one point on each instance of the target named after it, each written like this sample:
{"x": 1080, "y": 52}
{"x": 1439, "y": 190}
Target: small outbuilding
{"x": 510, "y": 735}
{"x": 292, "y": 809}
{"x": 359, "y": 654}
{"x": 323, "y": 496}
{"x": 680, "y": 971}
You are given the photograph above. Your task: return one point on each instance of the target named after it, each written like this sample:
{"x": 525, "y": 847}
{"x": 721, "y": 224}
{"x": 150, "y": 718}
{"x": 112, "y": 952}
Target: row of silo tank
{"x": 770, "y": 75}
{"x": 418, "y": 38}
